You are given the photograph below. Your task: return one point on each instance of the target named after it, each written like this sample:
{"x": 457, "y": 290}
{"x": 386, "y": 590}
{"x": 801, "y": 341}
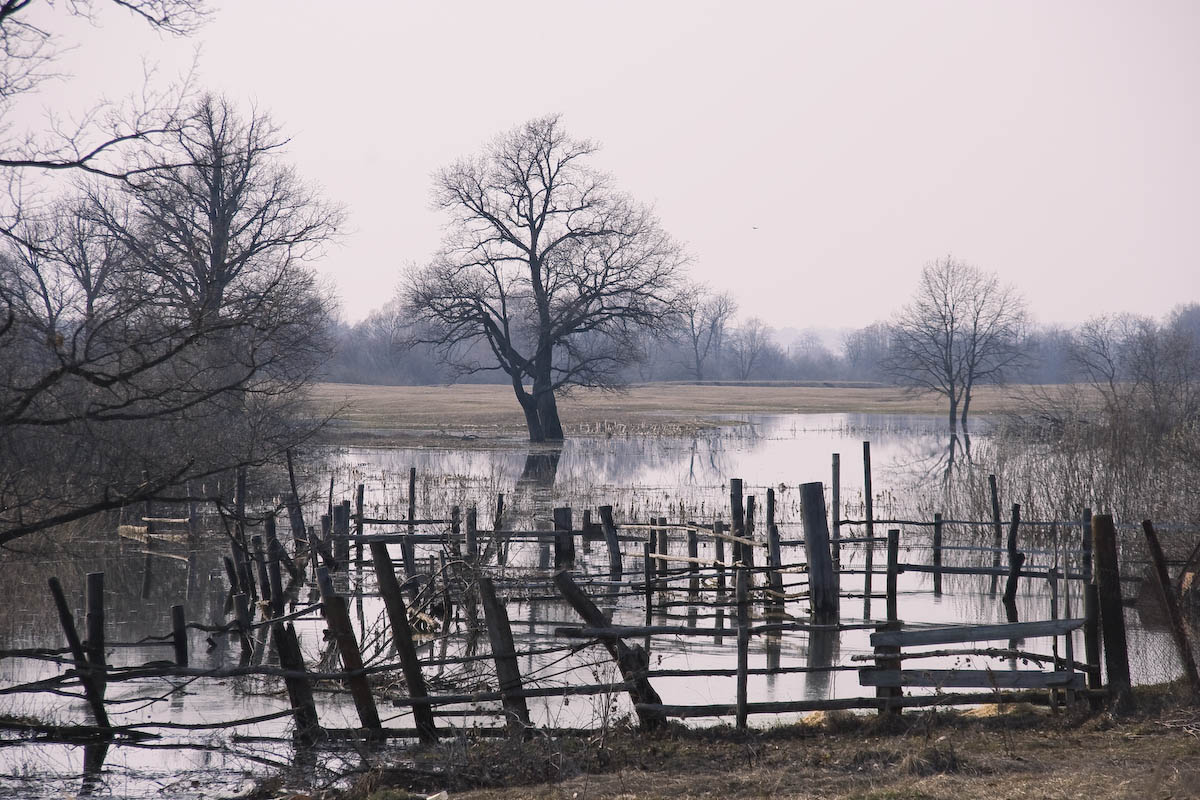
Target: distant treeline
{"x": 379, "y": 350}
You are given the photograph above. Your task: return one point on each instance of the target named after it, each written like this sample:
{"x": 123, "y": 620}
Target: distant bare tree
{"x": 866, "y": 350}
{"x": 962, "y": 328}
{"x": 548, "y": 265}
{"x": 747, "y": 345}
{"x": 705, "y": 316}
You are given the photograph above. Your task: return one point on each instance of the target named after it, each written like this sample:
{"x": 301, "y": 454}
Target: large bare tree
{"x": 962, "y": 327}
{"x": 545, "y": 263}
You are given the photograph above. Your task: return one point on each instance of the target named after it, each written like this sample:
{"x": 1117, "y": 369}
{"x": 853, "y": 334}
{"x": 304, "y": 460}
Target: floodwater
{"x": 677, "y": 477}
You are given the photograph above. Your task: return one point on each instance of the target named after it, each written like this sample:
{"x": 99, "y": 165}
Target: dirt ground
{"x": 414, "y": 415}
{"x": 923, "y": 756}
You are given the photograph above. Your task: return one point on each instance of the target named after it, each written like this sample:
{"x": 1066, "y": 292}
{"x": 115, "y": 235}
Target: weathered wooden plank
{"x": 953, "y": 634}
{"x": 969, "y": 678}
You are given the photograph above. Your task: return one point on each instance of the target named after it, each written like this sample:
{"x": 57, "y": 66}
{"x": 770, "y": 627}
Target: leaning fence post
{"x": 93, "y": 689}
{"x": 1177, "y": 626}
{"x": 632, "y": 661}
{"x": 341, "y": 533}
{"x": 337, "y": 618}
{"x": 743, "y": 643}
{"x": 508, "y": 674}
{"x": 664, "y": 566}
{"x": 1112, "y": 611}
{"x": 304, "y": 709}
{"x": 393, "y": 600}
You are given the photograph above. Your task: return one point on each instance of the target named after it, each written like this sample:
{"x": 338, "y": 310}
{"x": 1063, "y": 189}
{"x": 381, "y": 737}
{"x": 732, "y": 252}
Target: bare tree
{"x": 748, "y": 343}
{"x": 159, "y": 329}
{"x": 962, "y": 328}
{"x": 545, "y": 263}
{"x": 705, "y": 315}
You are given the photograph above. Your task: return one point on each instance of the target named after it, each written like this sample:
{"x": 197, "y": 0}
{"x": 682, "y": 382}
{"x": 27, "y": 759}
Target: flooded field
{"x": 682, "y": 478}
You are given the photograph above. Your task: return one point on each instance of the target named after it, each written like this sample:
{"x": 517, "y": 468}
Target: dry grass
{"x": 947, "y": 756}
{"x": 417, "y": 414}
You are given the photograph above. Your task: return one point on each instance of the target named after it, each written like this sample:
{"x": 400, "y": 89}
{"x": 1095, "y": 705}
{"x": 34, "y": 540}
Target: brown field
{"x": 425, "y": 414}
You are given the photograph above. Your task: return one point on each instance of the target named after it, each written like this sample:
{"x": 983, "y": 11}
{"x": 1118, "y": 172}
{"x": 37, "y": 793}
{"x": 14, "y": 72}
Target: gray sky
{"x": 810, "y": 156}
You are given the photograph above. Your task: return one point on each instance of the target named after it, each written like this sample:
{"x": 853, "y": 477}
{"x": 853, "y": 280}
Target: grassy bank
{"x": 985, "y": 753}
{"x": 405, "y": 415}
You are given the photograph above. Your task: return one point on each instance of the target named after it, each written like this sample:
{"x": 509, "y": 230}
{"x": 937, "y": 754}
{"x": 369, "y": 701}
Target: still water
{"x": 677, "y": 477}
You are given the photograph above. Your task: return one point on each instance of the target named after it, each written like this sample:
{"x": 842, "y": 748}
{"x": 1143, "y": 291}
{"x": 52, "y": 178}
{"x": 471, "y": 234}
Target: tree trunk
{"x": 532, "y": 421}
{"x": 966, "y": 405}
{"x": 547, "y": 411}
{"x": 953, "y": 398}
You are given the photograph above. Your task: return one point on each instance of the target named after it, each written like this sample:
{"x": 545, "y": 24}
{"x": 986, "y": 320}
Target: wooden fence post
{"x": 693, "y": 550}
{"x": 242, "y": 611}
{"x": 341, "y": 533}
{"x": 337, "y": 618}
{"x": 304, "y": 709}
{"x": 719, "y": 544}
{"x": 1016, "y": 559}
{"x": 1112, "y": 611}
{"x": 358, "y": 525}
{"x": 274, "y": 557}
{"x": 648, "y": 577}
{"x": 632, "y": 661}
{"x": 1177, "y": 627}
{"x": 822, "y": 588}
{"x": 614, "y": 545}
{"x": 94, "y": 626}
{"x": 664, "y": 566}
{"x": 893, "y": 620}
{"x": 408, "y": 551}
{"x": 92, "y": 688}
{"x": 997, "y": 530}
{"x": 835, "y": 544}
{"x": 774, "y": 558}
{"x": 393, "y": 600}
{"x": 179, "y": 636}
{"x": 748, "y": 550}
{"x": 869, "y": 503}
{"x": 564, "y": 542}
{"x": 937, "y": 554}
{"x": 737, "y": 517}
{"x": 504, "y": 654}
{"x": 743, "y": 643}
{"x": 472, "y": 535}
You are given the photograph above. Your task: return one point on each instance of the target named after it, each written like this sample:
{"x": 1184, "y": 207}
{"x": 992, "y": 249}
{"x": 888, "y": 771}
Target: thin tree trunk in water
{"x": 953, "y": 413}
{"x": 966, "y": 405}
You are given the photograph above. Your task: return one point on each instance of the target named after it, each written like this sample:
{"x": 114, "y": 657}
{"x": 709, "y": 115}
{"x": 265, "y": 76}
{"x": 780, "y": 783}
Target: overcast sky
{"x": 810, "y": 156}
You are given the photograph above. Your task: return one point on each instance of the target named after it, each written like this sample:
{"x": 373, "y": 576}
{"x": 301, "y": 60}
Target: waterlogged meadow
{"x": 680, "y": 477}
